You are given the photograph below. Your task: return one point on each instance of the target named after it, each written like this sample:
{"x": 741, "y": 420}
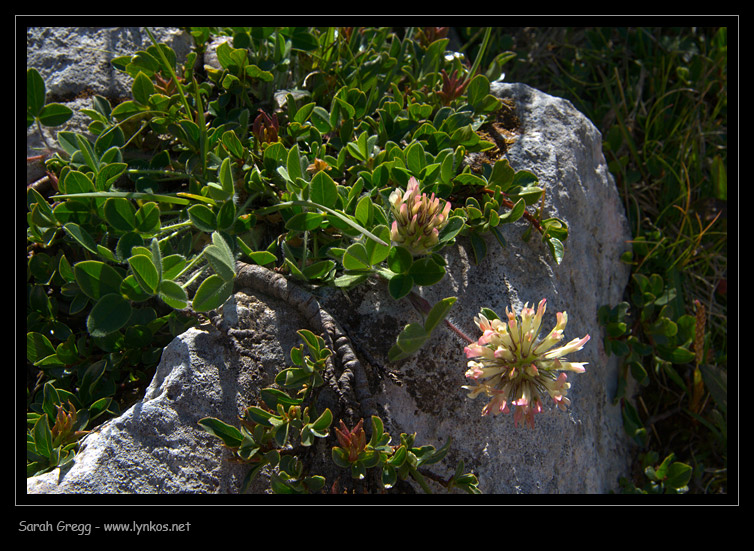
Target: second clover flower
{"x": 419, "y": 218}
{"x": 512, "y": 367}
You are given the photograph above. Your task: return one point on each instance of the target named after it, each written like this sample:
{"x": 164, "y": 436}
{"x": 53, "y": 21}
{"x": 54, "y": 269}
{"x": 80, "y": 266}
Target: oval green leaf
{"x": 324, "y": 190}
{"x": 111, "y": 313}
{"x": 173, "y": 294}
{"x": 212, "y": 293}
{"x": 305, "y": 221}
{"x": 145, "y": 273}
{"x": 356, "y": 257}
{"x": 202, "y": 217}
{"x": 426, "y": 271}
{"x": 400, "y": 285}
{"x": 96, "y": 279}
{"x": 230, "y": 435}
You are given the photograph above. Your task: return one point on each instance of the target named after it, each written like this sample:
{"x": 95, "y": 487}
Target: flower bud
{"x": 418, "y": 219}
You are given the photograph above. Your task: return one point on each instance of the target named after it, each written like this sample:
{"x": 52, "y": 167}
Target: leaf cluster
{"x": 283, "y": 153}
{"x": 275, "y": 433}
{"x": 666, "y": 477}
{"x": 271, "y": 430}
{"x": 402, "y": 461}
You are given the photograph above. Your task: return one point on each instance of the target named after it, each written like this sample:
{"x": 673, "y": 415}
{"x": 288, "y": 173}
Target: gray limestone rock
{"x": 76, "y": 63}
{"x": 157, "y": 447}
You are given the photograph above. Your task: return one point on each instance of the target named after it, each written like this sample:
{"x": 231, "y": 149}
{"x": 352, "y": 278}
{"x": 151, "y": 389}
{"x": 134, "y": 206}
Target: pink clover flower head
{"x": 512, "y": 365}
{"x": 418, "y": 218}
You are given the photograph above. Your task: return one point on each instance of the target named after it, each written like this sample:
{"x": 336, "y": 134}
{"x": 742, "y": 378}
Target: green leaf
{"x": 96, "y": 279}
{"x": 148, "y": 218}
{"x": 35, "y": 92}
{"x": 202, "y": 217}
{"x": 399, "y": 457}
{"x": 293, "y": 377}
{"x": 399, "y": 259}
{"x": 78, "y": 183}
{"x": 262, "y": 257}
{"x": 356, "y": 257}
{"x": 324, "y": 190}
{"x": 454, "y": 225}
{"x": 212, "y": 293}
{"x": 142, "y": 88}
{"x": 412, "y": 338}
{"x": 514, "y": 214}
{"x": 260, "y": 416}
{"x": 87, "y": 152}
{"x": 364, "y": 211}
{"x": 145, "y": 273}
{"x": 230, "y": 435}
{"x": 314, "y": 343}
{"x": 293, "y": 165}
{"x": 320, "y": 118}
{"x": 676, "y": 355}
{"x": 556, "y": 249}
{"x": 489, "y": 314}
{"x": 377, "y": 252}
{"x": 415, "y": 159}
{"x": 55, "y": 114}
{"x": 38, "y": 346}
{"x": 425, "y": 271}
{"x": 226, "y": 179}
{"x": 400, "y": 285}
{"x": 255, "y": 72}
{"x": 502, "y": 175}
{"x": 556, "y": 228}
{"x": 81, "y": 236}
{"x": 273, "y": 396}
{"x": 378, "y": 437}
{"x": 109, "y": 173}
{"x": 678, "y": 475}
{"x": 340, "y": 457}
{"x": 42, "y": 437}
{"x": 305, "y": 221}
{"x": 318, "y": 270}
{"x": 156, "y": 254}
{"x": 438, "y": 313}
{"x": 220, "y": 258}
{"x": 321, "y": 425}
{"x": 51, "y": 398}
{"x": 110, "y": 313}
{"x": 434, "y": 456}
{"x": 227, "y": 215}
{"x": 468, "y": 179}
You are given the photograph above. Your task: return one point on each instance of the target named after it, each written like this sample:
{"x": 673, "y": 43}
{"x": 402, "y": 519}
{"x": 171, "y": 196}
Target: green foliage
{"x": 284, "y": 155}
{"x": 280, "y": 422}
{"x": 667, "y": 477}
{"x": 402, "y": 461}
{"x": 37, "y": 110}
{"x": 413, "y": 336}
{"x": 271, "y": 431}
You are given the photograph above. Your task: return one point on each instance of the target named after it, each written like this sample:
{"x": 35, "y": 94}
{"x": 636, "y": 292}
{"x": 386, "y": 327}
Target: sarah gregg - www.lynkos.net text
{"x": 86, "y": 528}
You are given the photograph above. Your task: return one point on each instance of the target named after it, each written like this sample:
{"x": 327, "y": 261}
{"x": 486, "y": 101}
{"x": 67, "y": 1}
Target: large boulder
{"x": 583, "y": 450}
{"x": 156, "y": 446}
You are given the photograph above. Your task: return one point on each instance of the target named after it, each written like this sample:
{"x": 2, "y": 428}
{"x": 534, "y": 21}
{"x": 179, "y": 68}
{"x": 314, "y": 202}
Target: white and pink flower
{"x": 512, "y": 367}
